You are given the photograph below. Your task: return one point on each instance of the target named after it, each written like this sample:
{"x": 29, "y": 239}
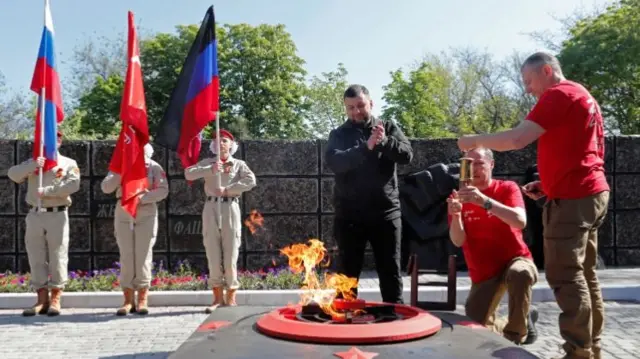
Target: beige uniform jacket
{"x": 59, "y": 183}
{"x": 236, "y": 176}
{"x": 158, "y": 184}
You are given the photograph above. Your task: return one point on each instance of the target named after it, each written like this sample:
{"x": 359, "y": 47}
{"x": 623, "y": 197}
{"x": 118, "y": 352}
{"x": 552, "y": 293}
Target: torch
{"x": 466, "y": 171}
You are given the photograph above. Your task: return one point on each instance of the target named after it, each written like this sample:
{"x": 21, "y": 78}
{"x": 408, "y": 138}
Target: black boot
{"x": 532, "y": 332}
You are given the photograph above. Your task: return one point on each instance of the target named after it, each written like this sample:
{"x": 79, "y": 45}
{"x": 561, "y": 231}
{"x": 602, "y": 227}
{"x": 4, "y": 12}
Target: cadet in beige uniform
{"x": 47, "y": 231}
{"x": 222, "y": 243}
{"x": 136, "y": 238}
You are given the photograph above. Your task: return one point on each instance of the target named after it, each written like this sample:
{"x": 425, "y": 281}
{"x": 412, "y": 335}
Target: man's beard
{"x": 361, "y": 120}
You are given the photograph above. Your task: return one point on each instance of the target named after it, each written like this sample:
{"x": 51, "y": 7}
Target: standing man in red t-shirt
{"x": 486, "y": 219}
{"x": 569, "y": 128}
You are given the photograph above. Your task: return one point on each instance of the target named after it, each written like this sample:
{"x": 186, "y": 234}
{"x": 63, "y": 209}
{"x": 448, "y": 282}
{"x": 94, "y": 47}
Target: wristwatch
{"x": 488, "y": 204}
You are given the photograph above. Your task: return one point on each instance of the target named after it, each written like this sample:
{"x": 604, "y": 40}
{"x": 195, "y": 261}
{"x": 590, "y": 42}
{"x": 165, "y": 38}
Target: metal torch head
{"x": 466, "y": 171}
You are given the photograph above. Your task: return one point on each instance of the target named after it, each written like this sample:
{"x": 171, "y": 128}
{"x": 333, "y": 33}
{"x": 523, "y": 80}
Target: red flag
{"x": 128, "y": 156}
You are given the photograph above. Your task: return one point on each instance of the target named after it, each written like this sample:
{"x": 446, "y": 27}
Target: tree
{"x": 263, "y": 80}
{"x": 324, "y": 103}
{"x": 602, "y": 53}
{"x": 484, "y": 98}
{"x": 97, "y": 58}
{"x": 464, "y": 91}
{"x": 516, "y": 88}
{"x": 552, "y": 40}
{"x": 98, "y": 112}
{"x": 261, "y": 76}
{"x": 418, "y": 100}
{"x": 17, "y": 113}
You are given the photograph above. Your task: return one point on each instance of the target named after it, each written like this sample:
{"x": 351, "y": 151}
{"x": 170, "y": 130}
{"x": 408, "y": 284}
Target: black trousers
{"x": 385, "y": 239}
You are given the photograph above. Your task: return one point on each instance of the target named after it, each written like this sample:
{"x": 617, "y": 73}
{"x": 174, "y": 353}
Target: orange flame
{"x": 254, "y": 221}
{"x": 305, "y": 257}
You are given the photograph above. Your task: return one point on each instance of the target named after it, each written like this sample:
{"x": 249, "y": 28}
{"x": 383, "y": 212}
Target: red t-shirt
{"x": 571, "y": 150}
{"x": 490, "y": 244}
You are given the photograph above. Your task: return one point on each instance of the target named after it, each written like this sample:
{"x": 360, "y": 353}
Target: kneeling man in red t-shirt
{"x": 486, "y": 219}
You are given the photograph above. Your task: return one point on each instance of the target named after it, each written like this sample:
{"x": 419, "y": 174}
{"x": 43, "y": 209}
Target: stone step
{"x": 615, "y": 276}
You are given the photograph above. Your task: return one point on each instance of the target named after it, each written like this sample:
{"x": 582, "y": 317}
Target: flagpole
{"x": 41, "y": 149}
{"x": 218, "y": 139}
{"x": 42, "y": 112}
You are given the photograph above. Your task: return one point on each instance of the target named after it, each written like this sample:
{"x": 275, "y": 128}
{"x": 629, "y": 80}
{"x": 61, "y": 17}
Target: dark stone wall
{"x": 293, "y": 194}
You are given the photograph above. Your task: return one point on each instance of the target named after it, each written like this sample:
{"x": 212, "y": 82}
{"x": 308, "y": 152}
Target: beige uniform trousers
{"x": 47, "y": 243}
{"x": 136, "y": 241}
{"x": 222, "y": 246}
{"x": 484, "y": 297}
{"x": 136, "y": 245}
{"x": 47, "y": 230}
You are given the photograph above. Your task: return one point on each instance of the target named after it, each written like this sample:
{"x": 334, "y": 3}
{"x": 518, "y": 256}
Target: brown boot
{"x": 129, "y": 299}
{"x": 143, "y": 308}
{"x": 218, "y": 300}
{"x": 55, "y": 306}
{"x": 597, "y": 353}
{"x": 231, "y": 298}
{"x": 41, "y": 306}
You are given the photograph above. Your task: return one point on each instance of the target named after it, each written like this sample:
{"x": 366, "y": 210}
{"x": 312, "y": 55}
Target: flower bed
{"x": 184, "y": 278}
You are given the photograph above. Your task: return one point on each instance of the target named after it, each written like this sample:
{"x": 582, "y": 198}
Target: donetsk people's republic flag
{"x": 195, "y": 99}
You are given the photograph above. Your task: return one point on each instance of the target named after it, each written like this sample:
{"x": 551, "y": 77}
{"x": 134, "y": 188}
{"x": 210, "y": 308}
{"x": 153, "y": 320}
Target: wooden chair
{"x": 450, "y": 284}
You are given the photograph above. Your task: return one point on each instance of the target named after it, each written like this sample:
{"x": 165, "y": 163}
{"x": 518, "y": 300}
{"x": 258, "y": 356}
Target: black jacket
{"x": 366, "y": 181}
{"x": 424, "y": 200}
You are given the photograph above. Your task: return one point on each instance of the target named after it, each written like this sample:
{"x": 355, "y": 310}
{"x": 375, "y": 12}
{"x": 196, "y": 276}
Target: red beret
{"x": 225, "y": 133}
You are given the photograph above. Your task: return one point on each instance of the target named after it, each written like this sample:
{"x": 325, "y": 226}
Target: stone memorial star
{"x": 355, "y": 353}
{"x": 211, "y": 326}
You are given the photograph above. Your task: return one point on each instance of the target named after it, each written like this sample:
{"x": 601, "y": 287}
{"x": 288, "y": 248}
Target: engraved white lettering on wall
{"x": 188, "y": 227}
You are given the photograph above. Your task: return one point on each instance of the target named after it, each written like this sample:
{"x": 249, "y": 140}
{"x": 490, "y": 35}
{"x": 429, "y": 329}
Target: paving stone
{"x": 97, "y": 333}
{"x": 620, "y": 336}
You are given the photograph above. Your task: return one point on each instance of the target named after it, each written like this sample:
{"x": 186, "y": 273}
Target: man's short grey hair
{"x": 486, "y": 152}
{"x": 539, "y": 59}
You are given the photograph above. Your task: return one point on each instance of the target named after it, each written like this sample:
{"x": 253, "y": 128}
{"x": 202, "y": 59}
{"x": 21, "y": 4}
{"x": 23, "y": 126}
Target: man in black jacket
{"x": 363, "y": 153}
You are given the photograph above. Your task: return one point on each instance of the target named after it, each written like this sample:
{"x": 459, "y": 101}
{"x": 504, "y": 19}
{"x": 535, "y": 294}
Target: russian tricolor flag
{"x": 46, "y": 82}
{"x": 195, "y": 99}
